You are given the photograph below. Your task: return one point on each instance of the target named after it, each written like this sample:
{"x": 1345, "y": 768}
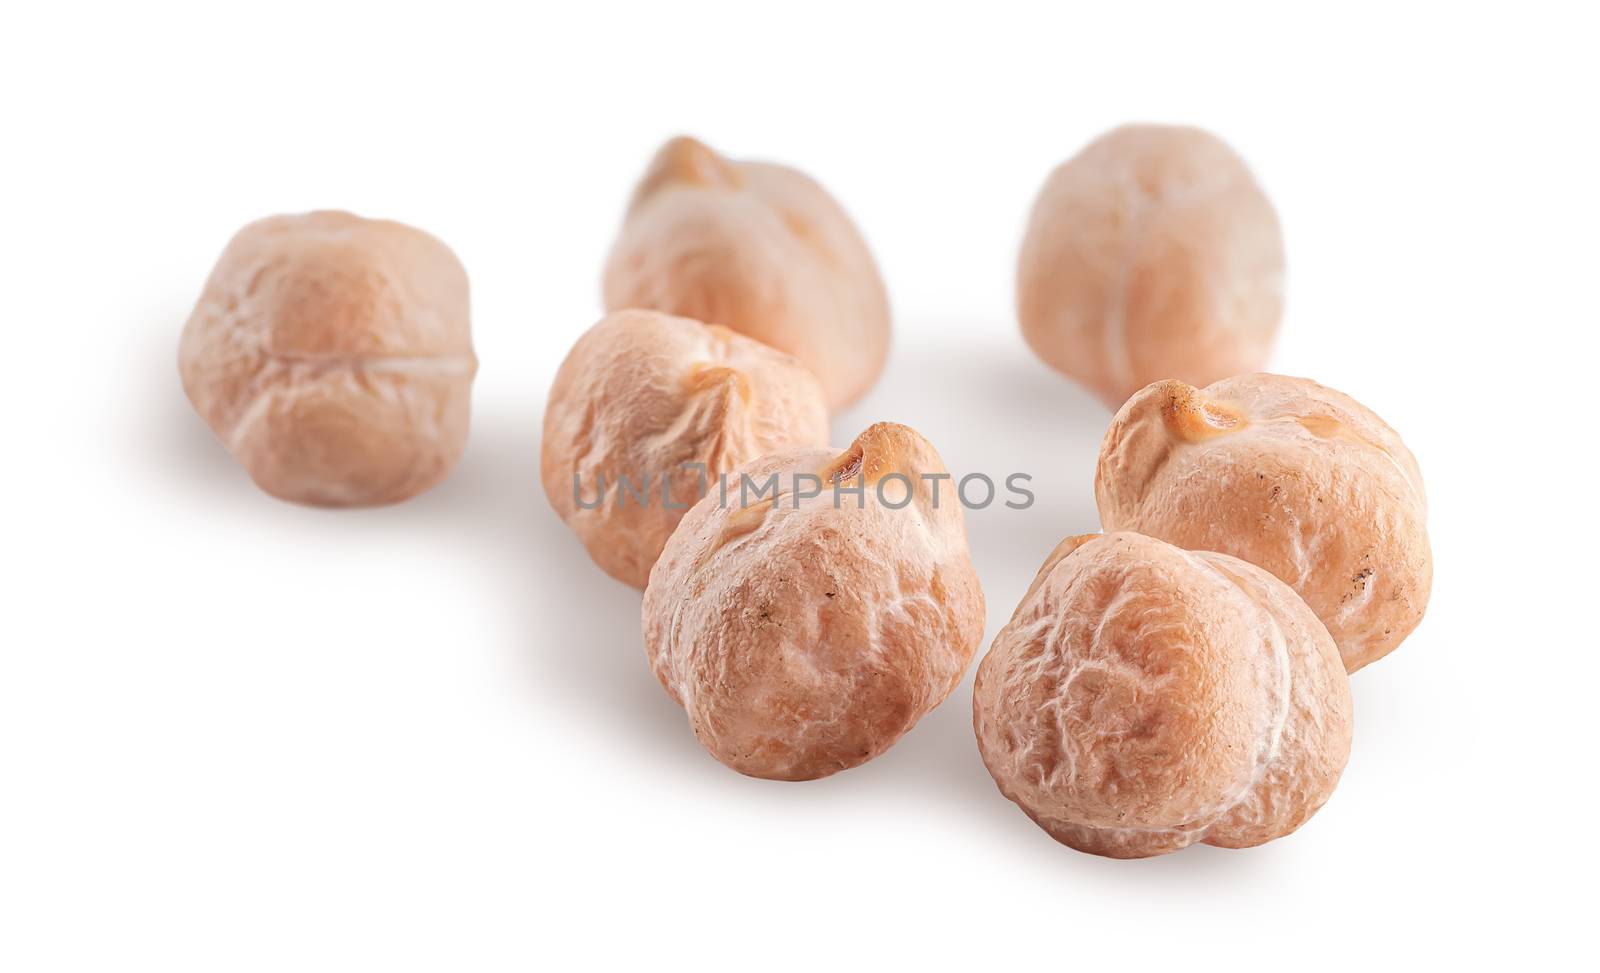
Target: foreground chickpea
{"x": 1143, "y": 698}
{"x": 646, "y": 412}
{"x": 1151, "y": 254}
{"x": 805, "y": 634}
{"x": 762, "y": 249}
{"x": 1297, "y": 478}
{"x": 332, "y": 355}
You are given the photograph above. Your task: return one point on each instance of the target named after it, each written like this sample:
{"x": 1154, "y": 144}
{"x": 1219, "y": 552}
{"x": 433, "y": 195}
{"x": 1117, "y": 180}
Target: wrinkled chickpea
{"x": 762, "y": 249}
{"x": 669, "y": 404}
{"x": 333, "y": 356}
{"x": 804, "y": 635}
{"x": 1144, "y": 697}
{"x": 1284, "y": 473}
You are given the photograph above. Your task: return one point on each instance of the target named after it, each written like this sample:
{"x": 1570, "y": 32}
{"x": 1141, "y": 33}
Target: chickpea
{"x": 669, "y": 404}
{"x": 1144, "y": 697}
{"x": 1300, "y": 479}
{"x": 333, "y": 356}
{"x": 762, "y": 249}
{"x": 805, "y": 634}
{"x": 1151, "y": 254}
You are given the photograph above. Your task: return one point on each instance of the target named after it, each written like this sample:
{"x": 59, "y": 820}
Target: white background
{"x": 237, "y": 734}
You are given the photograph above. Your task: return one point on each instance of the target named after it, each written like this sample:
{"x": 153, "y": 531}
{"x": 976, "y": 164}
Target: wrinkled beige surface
{"x": 642, "y": 394}
{"x": 762, "y": 249}
{"x": 1287, "y": 474}
{"x": 804, "y": 640}
{"x": 1144, "y": 697}
{"x": 1151, "y": 254}
{"x": 333, "y": 356}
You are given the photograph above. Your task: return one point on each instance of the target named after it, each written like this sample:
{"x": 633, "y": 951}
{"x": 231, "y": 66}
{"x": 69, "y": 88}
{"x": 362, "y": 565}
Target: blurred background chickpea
{"x": 333, "y": 356}
{"x": 762, "y": 249}
{"x": 1151, "y": 254}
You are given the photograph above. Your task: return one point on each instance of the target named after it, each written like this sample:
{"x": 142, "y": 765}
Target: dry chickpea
{"x": 333, "y": 356}
{"x": 1300, "y": 479}
{"x": 805, "y": 634}
{"x": 670, "y": 404}
{"x": 762, "y": 249}
{"x": 1143, "y": 698}
{"x": 1151, "y": 254}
